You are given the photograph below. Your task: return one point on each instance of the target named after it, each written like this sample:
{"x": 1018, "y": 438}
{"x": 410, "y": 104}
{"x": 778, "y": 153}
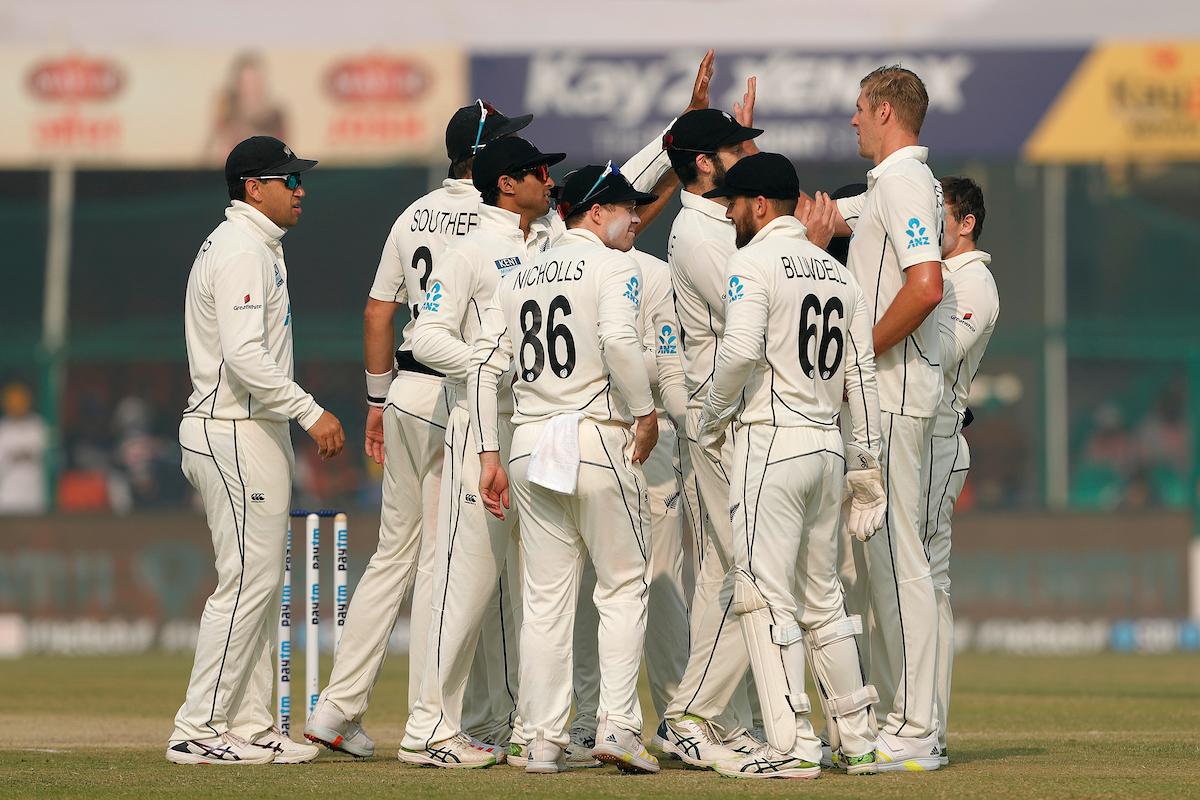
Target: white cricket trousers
{"x": 608, "y": 517}
{"x": 714, "y": 684}
{"x": 469, "y": 579}
{"x": 949, "y": 459}
{"x": 414, "y": 424}
{"x": 667, "y": 625}
{"x": 243, "y": 472}
{"x": 786, "y": 497}
{"x": 888, "y": 583}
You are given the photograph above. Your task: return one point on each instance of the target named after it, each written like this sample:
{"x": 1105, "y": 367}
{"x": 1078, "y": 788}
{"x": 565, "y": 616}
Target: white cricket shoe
{"x": 493, "y": 749}
{"x": 579, "y": 750}
{"x": 693, "y": 740}
{"x": 744, "y": 743}
{"x": 328, "y": 726}
{"x": 906, "y": 754}
{"x": 544, "y": 758}
{"x": 224, "y": 749}
{"x": 623, "y": 749}
{"x": 286, "y": 750}
{"x": 767, "y": 762}
{"x": 457, "y": 752}
{"x": 518, "y": 754}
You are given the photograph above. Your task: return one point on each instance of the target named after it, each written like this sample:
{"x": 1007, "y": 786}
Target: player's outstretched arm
{"x": 436, "y": 338}
{"x": 742, "y": 346}
{"x": 617, "y": 327}
{"x": 491, "y": 357}
{"x": 649, "y": 169}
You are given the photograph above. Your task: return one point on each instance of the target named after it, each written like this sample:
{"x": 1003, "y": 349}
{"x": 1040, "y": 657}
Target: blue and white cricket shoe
{"x": 224, "y": 749}
{"x": 457, "y": 752}
{"x": 693, "y": 740}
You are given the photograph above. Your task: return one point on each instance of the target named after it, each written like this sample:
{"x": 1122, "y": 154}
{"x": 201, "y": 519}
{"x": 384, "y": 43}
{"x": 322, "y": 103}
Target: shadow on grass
{"x": 994, "y": 754}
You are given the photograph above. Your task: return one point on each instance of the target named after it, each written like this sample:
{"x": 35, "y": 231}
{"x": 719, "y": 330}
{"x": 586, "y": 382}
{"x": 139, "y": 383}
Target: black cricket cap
{"x": 463, "y": 130}
{"x": 262, "y": 155}
{"x": 760, "y": 175}
{"x": 705, "y": 130}
{"x": 508, "y": 156}
{"x": 593, "y": 184}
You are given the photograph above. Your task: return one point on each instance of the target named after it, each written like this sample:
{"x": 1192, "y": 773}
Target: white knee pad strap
{"x": 855, "y": 701}
{"x": 835, "y": 631}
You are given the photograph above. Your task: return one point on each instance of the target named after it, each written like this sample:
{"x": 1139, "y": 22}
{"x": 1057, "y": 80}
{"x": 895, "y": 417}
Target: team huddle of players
{"x": 733, "y": 463}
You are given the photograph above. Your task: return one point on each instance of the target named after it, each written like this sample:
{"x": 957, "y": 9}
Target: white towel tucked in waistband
{"x": 554, "y": 463}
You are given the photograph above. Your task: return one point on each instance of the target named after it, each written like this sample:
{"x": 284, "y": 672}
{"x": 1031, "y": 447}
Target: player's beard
{"x": 744, "y": 230}
{"x": 718, "y": 176}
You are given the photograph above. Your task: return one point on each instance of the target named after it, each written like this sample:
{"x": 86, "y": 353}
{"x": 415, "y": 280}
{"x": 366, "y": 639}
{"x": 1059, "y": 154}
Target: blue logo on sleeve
{"x": 433, "y": 298}
{"x": 288, "y": 319}
{"x": 633, "y": 290}
{"x": 916, "y": 234}
{"x": 735, "y": 290}
{"x": 666, "y": 342}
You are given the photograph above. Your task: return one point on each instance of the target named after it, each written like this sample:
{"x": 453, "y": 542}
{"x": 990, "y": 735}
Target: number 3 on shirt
{"x": 531, "y": 327}
{"x": 422, "y": 256}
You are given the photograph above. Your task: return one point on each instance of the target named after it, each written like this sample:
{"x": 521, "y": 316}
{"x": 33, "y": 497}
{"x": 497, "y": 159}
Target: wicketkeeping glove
{"x": 865, "y": 493}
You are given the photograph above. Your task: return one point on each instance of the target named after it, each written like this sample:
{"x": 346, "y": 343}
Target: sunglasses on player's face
{"x": 542, "y": 172}
{"x": 290, "y": 181}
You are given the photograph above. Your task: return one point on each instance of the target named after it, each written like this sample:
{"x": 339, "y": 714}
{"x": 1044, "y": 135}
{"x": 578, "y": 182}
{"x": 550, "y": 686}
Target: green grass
{"x": 1106, "y": 726}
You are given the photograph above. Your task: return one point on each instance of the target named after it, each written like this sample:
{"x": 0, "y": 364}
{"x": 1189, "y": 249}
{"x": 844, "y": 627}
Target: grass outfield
{"x": 1103, "y": 726}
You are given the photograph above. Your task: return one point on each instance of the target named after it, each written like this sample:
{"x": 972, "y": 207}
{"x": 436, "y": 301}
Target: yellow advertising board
{"x": 181, "y": 108}
{"x": 1127, "y": 101}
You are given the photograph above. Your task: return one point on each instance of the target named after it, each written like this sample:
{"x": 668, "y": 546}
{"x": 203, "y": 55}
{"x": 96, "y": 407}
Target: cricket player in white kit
{"x": 472, "y": 546}
{"x": 702, "y": 145}
{"x": 797, "y": 336}
{"x": 409, "y": 404}
{"x": 667, "y": 627}
{"x": 569, "y": 321}
{"x": 237, "y": 453}
{"x": 895, "y": 256}
{"x": 966, "y": 319}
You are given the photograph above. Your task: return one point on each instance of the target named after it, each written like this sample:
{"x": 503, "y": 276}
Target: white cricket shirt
{"x": 237, "y": 324}
{"x": 460, "y": 287}
{"x": 416, "y": 242}
{"x": 966, "y": 318}
{"x": 897, "y": 224}
{"x": 568, "y": 324}
{"x": 660, "y": 337}
{"x": 702, "y": 241}
{"x": 797, "y": 335}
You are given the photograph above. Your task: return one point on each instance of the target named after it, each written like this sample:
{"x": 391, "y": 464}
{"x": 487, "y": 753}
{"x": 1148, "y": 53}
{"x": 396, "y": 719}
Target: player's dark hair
{"x": 965, "y": 197}
{"x": 784, "y": 206}
{"x": 237, "y": 189}
{"x": 462, "y": 169}
{"x": 684, "y": 164}
{"x": 491, "y": 197}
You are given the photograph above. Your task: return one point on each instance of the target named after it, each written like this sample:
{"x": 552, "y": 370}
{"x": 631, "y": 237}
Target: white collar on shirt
{"x": 962, "y": 259}
{"x": 582, "y": 235}
{"x": 460, "y": 186}
{"x": 500, "y": 221}
{"x": 781, "y": 226}
{"x": 709, "y": 208}
{"x": 912, "y": 151}
{"x": 254, "y": 220}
